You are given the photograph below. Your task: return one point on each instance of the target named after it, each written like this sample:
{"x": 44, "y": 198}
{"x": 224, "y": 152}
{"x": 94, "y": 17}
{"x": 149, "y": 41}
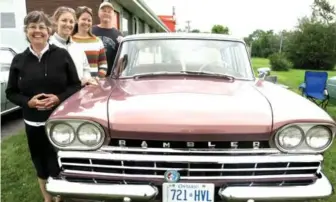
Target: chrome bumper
{"x": 320, "y": 189}
{"x": 101, "y": 191}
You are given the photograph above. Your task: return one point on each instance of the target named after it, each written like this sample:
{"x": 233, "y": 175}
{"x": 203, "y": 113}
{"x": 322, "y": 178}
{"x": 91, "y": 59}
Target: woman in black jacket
{"x": 40, "y": 78}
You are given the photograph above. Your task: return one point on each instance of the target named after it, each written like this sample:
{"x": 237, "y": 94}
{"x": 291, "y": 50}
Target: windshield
{"x": 157, "y": 56}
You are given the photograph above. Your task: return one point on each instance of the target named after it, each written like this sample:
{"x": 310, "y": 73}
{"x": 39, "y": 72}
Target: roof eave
{"x": 141, "y": 9}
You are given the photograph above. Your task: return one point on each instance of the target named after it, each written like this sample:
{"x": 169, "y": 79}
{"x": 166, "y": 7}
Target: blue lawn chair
{"x": 314, "y": 88}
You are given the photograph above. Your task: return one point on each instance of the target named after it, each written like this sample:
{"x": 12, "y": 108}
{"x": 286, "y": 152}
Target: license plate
{"x": 188, "y": 192}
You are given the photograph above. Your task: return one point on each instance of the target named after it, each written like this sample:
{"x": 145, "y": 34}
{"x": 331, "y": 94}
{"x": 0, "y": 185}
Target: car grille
{"x": 147, "y": 165}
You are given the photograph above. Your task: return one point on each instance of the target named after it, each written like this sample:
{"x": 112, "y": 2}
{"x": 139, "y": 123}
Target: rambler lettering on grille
{"x": 190, "y": 144}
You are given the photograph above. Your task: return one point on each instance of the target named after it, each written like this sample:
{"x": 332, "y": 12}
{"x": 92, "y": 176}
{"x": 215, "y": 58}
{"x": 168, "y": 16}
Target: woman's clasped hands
{"x": 43, "y": 101}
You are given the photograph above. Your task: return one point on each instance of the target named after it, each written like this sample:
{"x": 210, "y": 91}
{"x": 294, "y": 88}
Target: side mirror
{"x": 263, "y": 72}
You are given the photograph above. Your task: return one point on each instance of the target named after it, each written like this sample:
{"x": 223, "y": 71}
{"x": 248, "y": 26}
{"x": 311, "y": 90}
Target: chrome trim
{"x": 189, "y": 151}
{"x": 319, "y": 189}
{"x": 100, "y": 191}
{"x": 252, "y": 177}
{"x": 302, "y": 147}
{"x": 10, "y": 110}
{"x": 251, "y": 159}
{"x": 189, "y": 169}
{"x": 79, "y": 122}
{"x": 276, "y": 158}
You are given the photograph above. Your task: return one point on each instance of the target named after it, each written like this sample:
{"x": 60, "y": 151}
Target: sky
{"x": 241, "y": 16}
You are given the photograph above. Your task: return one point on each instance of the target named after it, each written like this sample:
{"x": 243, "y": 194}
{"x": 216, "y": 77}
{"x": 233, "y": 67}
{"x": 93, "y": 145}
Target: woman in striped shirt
{"x": 91, "y": 44}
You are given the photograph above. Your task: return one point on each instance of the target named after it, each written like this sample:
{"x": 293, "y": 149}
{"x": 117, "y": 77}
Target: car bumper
{"x": 320, "y": 189}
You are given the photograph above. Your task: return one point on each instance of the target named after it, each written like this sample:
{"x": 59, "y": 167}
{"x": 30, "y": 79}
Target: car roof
{"x": 182, "y": 35}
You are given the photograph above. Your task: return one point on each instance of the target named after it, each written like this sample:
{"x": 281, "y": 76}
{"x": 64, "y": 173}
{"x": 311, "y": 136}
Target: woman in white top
{"x": 64, "y": 19}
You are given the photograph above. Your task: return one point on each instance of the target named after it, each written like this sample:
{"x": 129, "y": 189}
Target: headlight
{"x": 318, "y": 137}
{"x": 89, "y": 134}
{"x": 75, "y": 134}
{"x": 304, "y": 138}
{"x": 62, "y": 134}
{"x": 290, "y": 137}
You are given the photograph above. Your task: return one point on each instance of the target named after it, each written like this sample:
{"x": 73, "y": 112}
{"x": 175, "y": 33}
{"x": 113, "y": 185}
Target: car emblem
{"x": 172, "y": 176}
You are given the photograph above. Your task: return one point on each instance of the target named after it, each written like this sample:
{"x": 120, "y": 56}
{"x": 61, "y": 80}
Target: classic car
{"x": 7, "y": 54}
{"x": 183, "y": 118}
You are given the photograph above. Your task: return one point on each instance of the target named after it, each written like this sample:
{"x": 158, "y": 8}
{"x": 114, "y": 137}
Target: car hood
{"x": 189, "y": 106}
{"x": 172, "y": 107}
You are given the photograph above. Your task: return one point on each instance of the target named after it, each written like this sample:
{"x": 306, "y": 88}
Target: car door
{"x": 6, "y": 56}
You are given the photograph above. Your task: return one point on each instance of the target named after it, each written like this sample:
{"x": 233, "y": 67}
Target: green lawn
{"x": 19, "y": 184}
{"x": 292, "y": 78}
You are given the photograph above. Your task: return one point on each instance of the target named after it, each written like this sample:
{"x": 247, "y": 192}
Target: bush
{"x": 279, "y": 62}
{"x": 312, "y": 46}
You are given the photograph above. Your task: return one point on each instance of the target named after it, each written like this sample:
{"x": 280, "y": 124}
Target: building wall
{"x": 12, "y": 13}
{"x": 127, "y": 22}
{"x": 49, "y": 6}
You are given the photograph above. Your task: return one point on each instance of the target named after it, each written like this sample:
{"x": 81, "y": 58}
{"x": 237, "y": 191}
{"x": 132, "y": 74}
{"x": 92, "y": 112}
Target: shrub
{"x": 312, "y": 46}
{"x": 279, "y": 62}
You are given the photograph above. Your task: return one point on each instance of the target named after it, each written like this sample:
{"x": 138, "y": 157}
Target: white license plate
{"x": 188, "y": 192}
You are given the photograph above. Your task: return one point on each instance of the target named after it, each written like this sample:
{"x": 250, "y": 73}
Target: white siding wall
{"x": 14, "y": 36}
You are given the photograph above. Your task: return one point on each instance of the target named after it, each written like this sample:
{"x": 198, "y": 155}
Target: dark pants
{"x": 42, "y": 153}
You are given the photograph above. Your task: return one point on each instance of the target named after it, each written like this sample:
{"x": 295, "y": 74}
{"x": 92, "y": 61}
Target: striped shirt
{"x": 95, "y": 53}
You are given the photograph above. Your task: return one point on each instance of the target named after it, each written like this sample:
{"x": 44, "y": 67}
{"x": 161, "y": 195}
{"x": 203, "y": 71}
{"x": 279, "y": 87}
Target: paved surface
{"x": 11, "y": 124}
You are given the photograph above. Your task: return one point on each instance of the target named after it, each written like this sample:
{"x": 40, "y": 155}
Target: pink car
{"x": 183, "y": 118}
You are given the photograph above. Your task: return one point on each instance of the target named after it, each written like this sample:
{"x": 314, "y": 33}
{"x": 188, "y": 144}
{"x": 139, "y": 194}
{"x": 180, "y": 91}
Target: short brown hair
{"x": 57, "y": 14}
{"x": 79, "y": 11}
{"x": 36, "y": 17}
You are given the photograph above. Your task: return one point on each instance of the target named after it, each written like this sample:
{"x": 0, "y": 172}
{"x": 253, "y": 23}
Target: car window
{"x": 6, "y": 56}
{"x": 176, "y": 55}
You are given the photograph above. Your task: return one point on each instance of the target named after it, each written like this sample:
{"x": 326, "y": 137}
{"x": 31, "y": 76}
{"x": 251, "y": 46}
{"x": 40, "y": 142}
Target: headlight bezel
{"x": 75, "y": 124}
{"x": 304, "y": 146}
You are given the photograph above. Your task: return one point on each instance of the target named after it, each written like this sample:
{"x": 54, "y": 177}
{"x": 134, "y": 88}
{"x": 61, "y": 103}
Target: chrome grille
{"x": 276, "y": 167}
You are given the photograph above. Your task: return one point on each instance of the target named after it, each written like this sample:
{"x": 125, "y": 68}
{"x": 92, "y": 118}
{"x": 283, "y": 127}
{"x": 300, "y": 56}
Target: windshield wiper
{"x": 211, "y": 74}
{"x": 155, "y": 74}
{"x": 163, "y": 73}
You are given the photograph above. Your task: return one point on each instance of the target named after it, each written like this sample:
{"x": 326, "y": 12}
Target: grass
{"x": 19, "y": 184}
{"x": 292, "y": 78}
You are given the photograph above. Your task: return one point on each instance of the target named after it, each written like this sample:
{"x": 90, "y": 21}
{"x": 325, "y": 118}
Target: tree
{"x": 323, "y": 11}
{"x": 220, "y": 29}
{"x": 313, "y": 44}
{"x": 263, "y": 43}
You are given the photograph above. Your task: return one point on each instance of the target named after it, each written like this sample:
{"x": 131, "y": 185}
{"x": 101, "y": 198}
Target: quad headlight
{"x": 89, "y": 134}
{"x": 304, "y": 138}
{"x": 62, "y": 134}
{"x": 75, "y": 134}
{"x": 319, "y": 137}
{"x": 290, "y": 137}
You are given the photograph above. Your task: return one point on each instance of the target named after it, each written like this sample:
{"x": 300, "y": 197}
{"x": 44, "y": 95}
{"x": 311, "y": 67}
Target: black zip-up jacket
{"x": 55, "y": 73}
